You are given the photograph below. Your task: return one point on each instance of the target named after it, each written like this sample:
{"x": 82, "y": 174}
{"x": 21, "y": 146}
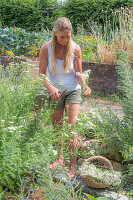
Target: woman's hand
{"x": 87, "y": 91}
{"x": 54, "y": 93}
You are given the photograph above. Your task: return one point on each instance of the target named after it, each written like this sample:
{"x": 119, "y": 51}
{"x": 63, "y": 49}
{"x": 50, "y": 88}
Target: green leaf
{"x": 102, "y": 198}
{"x": 90, "y": 197}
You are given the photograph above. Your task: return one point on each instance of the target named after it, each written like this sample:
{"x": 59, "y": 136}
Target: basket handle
{"x": 102, "y": 160}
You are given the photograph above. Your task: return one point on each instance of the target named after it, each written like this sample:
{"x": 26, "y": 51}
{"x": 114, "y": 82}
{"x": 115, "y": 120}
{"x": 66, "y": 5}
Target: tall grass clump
{"x": 114, "y": 36}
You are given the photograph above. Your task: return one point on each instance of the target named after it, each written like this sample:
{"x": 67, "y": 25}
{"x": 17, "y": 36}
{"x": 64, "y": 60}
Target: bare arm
{"x": 43, "y": 62}
{"x": 78, "y": 68}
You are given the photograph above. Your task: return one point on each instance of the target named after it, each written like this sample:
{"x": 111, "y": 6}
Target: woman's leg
{"x": 57, "y": 118}
{"x": 57, "y": 121}
{"x": 72, "y": 113}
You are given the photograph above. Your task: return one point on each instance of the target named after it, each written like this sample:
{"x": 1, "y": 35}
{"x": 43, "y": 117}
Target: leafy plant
{"x": 21, "y": 42}
{"x": 27, "y": 145}
{"x": 98, "y": 198}
{"x": 87, "y": 44}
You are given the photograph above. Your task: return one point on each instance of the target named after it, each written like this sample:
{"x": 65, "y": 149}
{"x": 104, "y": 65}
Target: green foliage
{"x": 21, "y": 42}
{"x": 117, "y": 132}
{"x": 127, "y": 179}
{"x": 16, "y": 115}
{"x": 85, "y": 11}
{"x": 98, "y": 198}
{"x": 88, "y": 46}
{"x": 33, "y": 14}
{"x": 126, "y": 86}
{"x": 39, "y": 14}
{"x": 27, "y": 144}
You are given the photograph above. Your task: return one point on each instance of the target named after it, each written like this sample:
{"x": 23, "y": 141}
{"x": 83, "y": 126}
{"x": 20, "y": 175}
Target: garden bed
{"x": 103, "y": 77}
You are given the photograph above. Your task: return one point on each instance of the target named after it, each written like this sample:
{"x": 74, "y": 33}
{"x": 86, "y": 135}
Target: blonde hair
{"x": 62, "y": 24}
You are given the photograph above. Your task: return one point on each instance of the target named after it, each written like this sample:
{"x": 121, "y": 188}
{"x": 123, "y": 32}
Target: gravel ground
{"x": 104, "y": 104}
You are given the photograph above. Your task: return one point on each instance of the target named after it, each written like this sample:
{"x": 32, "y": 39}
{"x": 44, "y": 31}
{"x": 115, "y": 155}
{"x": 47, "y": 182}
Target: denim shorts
{"x": 68, "y": 97}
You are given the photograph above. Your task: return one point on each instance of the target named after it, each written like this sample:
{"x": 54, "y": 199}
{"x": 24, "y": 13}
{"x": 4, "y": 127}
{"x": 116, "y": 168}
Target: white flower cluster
{"x": 14, "y": 128}
{"x": 85, "y": 74}
{"x": 44, "y": 76}
{"x": 50, "y": 149}
{"x": 110, "y": 178}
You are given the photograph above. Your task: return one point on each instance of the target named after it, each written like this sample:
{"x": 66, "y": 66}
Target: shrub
{"x": 29, "y": 15}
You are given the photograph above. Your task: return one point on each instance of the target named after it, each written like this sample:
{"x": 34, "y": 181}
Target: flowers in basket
{"x": 102, "y": 176}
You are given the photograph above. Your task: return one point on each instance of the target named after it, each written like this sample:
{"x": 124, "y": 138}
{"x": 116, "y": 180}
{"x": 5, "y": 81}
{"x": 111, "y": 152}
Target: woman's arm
{"x": 78, "y": 68}
{"x": 43, "y": 63}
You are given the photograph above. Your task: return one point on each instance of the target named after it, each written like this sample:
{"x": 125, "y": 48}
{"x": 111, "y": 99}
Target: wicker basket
{"x": 103, "y": 163}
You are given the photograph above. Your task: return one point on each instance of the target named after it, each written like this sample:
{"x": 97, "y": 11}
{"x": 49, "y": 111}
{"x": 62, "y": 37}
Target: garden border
{"x": 103, "y": 77}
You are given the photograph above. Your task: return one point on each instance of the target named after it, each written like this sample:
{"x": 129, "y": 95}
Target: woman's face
{"x": 63, "y": 37}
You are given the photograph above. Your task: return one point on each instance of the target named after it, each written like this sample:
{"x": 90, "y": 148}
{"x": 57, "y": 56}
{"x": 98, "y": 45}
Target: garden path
{"x": 103, "y": 104}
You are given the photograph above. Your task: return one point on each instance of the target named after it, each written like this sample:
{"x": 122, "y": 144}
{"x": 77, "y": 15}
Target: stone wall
{"x": 103, "y": 77}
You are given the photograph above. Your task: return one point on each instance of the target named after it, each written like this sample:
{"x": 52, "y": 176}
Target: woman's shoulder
{"x": 77, "y": 48}
{"x": 45, "y": 45}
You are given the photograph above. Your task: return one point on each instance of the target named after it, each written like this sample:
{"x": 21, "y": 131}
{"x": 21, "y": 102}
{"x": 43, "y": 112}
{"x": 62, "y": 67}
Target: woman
{"x": 62, "y": 58}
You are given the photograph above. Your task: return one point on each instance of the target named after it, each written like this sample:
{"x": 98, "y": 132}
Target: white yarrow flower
{"x": 78, "y": 74}
{"x": 66, "y": 135}
{"x": 12, "y": 128}
{"x": 87, "y": 71}
{"x": 73, "y": 133}
{"x": 54, "y": 152}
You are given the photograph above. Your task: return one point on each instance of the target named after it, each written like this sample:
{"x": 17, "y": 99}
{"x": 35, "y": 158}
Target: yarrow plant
{"x": 86, "y": 75}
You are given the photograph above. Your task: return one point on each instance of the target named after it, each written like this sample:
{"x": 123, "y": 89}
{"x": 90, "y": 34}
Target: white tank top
{"x": 61, "y": 79}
